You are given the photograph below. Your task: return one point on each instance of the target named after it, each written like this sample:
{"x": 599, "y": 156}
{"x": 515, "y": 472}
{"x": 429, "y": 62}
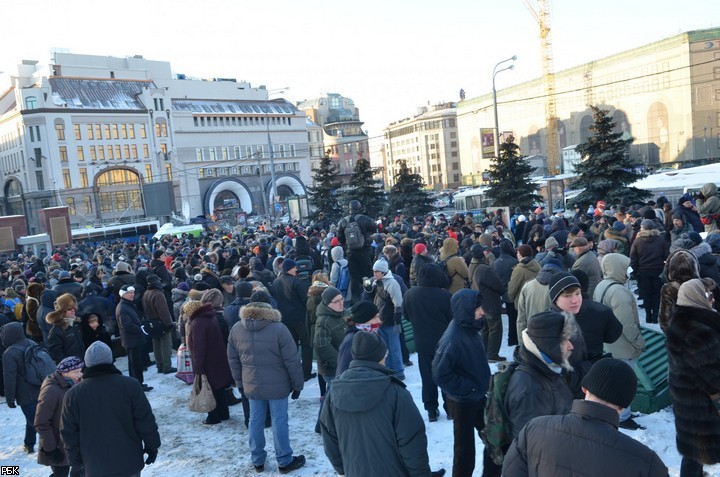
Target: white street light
{"x": 497, "y": 127}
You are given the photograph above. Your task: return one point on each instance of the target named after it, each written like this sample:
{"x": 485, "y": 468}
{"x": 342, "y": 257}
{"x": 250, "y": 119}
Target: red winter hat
{"x": 334, "y": 242}
{"x": 600, "y": 204}
{"x": 420, "y": 248}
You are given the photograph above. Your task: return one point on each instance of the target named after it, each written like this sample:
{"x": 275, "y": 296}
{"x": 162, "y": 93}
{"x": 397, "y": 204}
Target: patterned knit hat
{"x": 69, "y": 364}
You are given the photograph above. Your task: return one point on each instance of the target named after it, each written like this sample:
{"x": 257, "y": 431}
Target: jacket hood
{"x": 529, "y": 263}
{"x": 709, "y": 189}
{"x": 431, "y": 275}
{"x": 317, "y": 289}
{"x": 701, "y": 249}
{"x": 463, "y": 305}
{"x": 449, "y": 247}
{"x": 178, "y": 294}
{"x": 259, "y": 311}
{"x": 506, "y": 248}
{"x": 48, "y": 298}
{"x": 11, "y": 333}
{"x": 544, "y": 275}
{"x": 337, "y": 253}
{"x": 648, "y": 234}
{"x": 362, "y": 387}
{"x": 614, "y": 267}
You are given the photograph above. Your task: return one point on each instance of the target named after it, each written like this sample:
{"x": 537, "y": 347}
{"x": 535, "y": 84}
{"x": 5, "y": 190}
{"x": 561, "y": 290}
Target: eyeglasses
{"x": 338, "y": 300}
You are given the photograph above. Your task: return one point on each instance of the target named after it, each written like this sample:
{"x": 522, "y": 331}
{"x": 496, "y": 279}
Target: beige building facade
{"x": 666, "y": 95}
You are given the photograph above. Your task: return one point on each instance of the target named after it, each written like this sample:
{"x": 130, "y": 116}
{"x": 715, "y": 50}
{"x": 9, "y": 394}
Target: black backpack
{"x": 354, "y": 238}
{"x": 305, "y": 266}
{"x": 38, "y": 363}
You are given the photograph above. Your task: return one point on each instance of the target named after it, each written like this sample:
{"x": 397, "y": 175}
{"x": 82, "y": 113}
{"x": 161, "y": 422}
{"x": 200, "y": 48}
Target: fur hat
{"x": 195, "y": 294}
{"x": 190, "y": 307}
{"x": 613, "y": 381}
{"x": 98, "y": 353}
{"x": 214, "y": 297}
{"x": 363, "y": 311}
{"x": 65, "y": 302}
{"x": 368, "y": 347}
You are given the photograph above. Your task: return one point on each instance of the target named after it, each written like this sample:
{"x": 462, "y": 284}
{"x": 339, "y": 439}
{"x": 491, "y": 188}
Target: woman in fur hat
{"x": 65, "y": 337}
{"x": 30, "y": 312}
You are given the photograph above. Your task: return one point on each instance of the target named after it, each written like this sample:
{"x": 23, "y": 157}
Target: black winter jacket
{"x": 65, "y": 341}
{"x": 460, "y": 367}
{"x": 427, "y": 306}
{"x": 291, "y": 295}
{"x": 599, "y": 325}
{"x": 131, "y": 333}
{"x": 584, "y": 442}
{"x": 13, "y": 362}
{"x": 106, "y": 403}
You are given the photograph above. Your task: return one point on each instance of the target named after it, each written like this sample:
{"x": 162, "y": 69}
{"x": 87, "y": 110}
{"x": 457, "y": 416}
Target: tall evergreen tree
{"x": 324, "y": 196}
{"x": 605, "y": 170}
{"x": 366, "y": 189}
{"x": 510, "y": 183}
{"x": 407, "y": 195}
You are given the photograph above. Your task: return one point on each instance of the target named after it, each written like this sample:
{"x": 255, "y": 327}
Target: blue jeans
{"x": 29, "y": 411}
{"x": 394, "y": 357}
{"x": 280, "y": 430}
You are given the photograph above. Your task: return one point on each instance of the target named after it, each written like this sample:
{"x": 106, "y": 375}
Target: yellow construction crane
{"x": 541, "y": 13}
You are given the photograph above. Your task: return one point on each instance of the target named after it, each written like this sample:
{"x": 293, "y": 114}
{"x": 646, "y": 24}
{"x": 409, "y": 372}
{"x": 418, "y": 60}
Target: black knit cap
{"x": 613, "y": 381}
{"x": 260, "y": 296}
{"x": 368, "y": 347}
{"x": 560, "y": 282}
{"x": 546, "y": 331}
{"x": 363, "y": 311}
{"x": 329, "y": 295}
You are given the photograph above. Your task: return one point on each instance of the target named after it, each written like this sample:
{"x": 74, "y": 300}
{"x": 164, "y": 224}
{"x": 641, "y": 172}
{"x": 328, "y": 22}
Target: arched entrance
{"x": 118, "y": 193}
{"x": 226, "y": 191}
{"x": 286, "y": 186}
{"x": 13, "y": 197}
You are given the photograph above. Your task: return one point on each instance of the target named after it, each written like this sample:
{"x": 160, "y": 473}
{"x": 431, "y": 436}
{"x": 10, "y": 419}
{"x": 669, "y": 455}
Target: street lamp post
{"x": 497, "y": 127}
{"x": 273, "y": 187}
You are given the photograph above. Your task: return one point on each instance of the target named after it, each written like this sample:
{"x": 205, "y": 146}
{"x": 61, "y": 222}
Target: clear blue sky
{"x": 389, "y": 56}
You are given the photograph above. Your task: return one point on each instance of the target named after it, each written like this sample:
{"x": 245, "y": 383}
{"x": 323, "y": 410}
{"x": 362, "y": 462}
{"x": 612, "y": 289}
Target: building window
{"x": 70, "y": 202}
{"x": 146, "y": 151}
{"x": 292, "y": 150}
{"x": 260, "y": 151}
{"x": 106, "y": 127}
{"x": 88, "y": 204}
{"x": 110, "y": 154}
{"x": 63, "y": 154}
{"x": 100, "y": 152}
{"x": 78, "y": 134}
{"x": 126, "y": 151}
{"x": 168, "y": 171}
{"x": 93, "y": 153}
{"x": 455, "y": 166}
{"x": 143, "y": 132}
{"x": 98, "y": 131}
{"x": 157, "y": 129}
{"x": 164, "y": 151}
{"x": 453, "y": 144}
{"x": 123, "y": 131}
{"x": 453, "y": 135}
{"x": 224, "y": 152}
{"x": 66, "y": 179}
{"x": 118, "y": 153}
{"x": 148, "y": 173}
{"x": 454, "y": 154}
{"x": 195, "y": 121}
{"x": 83, "y": 177}
{"x": 90, "y": 131}
{"x": 131, "y": 130}
{"x": 39, "y": 179}
{"x": 115, "y": 131}
{"x": 134, "y": 151}
{"x": 199, "y": 154}
{"x": 282, "y": 150}
{"x": 32, "y": 134}
{"x": 212, "y": 154}
{"x": 248, "y": 152}
{"x": 30, "y": 102}
{"x": 80, "y": 153}
{"x": 236, "y": 150}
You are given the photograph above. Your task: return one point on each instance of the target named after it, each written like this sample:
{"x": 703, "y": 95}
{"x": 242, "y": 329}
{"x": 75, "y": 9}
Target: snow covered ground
{"x": 191, "y": 449}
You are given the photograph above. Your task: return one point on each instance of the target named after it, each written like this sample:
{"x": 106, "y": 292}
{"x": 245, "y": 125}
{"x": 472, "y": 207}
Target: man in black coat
{"x": 106, "y": 403}
{"x": 66, "y": 284}
{"x": 427, "y": 306}
{"x": 291, "y": 295}
{"x": 243, "y": 291}
{"x": 132, "y": 335}
{"x": 504, "y": 266}
{"x": 647, "y": 259}
{"x": 586, "y": 441}
{"x": 360, "y": 260}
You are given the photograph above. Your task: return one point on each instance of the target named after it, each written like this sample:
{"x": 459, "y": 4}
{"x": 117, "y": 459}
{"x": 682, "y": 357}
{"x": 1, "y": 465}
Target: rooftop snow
{"x": 99, "y": 93}
{"x": 205, "y": 106}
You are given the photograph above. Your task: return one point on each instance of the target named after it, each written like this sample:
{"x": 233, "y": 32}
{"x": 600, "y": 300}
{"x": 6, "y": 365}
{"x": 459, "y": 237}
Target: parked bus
{"x": 472, "y": 200}
{"x": 129, "y": 232}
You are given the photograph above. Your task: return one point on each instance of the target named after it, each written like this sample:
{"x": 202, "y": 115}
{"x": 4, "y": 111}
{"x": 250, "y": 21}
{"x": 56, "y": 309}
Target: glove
{"x": 152, "y": 455}
{"x": 56, "y": 455}
{"x": 11, "y": 404}
{"x": 397, "y": 329}
{"x": 295, "y": 394}
{"x": 438, "y": 473}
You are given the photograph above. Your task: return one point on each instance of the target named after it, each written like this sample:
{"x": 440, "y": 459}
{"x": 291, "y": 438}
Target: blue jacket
{"x": 460, "y": 366}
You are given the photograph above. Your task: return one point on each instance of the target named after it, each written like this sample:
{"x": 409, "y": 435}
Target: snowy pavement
{"x": 191, "y": 449}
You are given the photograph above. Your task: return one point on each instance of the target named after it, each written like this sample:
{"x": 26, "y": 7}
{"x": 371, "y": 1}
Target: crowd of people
{"x": 255, "y": 309}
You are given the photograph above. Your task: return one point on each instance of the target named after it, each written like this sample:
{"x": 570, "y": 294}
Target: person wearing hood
{"x": 369, "y": 422}
{"x": 693, "y": 346}
{"x": 526, "y": 270}
{"x": 680, "y": 266}
{"x": 703, "y": 253}
{"x": 207, "y": 351}
{"x": 533, "y": 297}
{"x": 47, "y": 304}
{"x": 122, "y": 275}
{"x": 65, "y": 336}
{"x": 486, "y": 281}
{"x": 460, "y": 368}
{"x": 51, "y": 450}
{"x": 179, "y": 297}
{"x": 504, "y": 266}
{"x": 386, "y": 293}
{"x": 708, "y": 206}
{"x": 106, "y": 403}
{"x": 66, "y": 284}
{"x": 17, "y": 390}
{"x": 260, "y": 273}
{"x": 265, "y": 365}
{"x": 155, "y": 308}
{"x": 647, "y": 259}
{"x": 537, "y": 387}
{"x": 618, "y": 232}
{"x": 427, "y": 307}
{"x": 457, "y": 269}
{"x": 680, "y": 226}
{"x": 243, "y": 291}
{"x": 551, "y": 251}
{"x": 363, "y": 316}
{"x": 613, "y": 293}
